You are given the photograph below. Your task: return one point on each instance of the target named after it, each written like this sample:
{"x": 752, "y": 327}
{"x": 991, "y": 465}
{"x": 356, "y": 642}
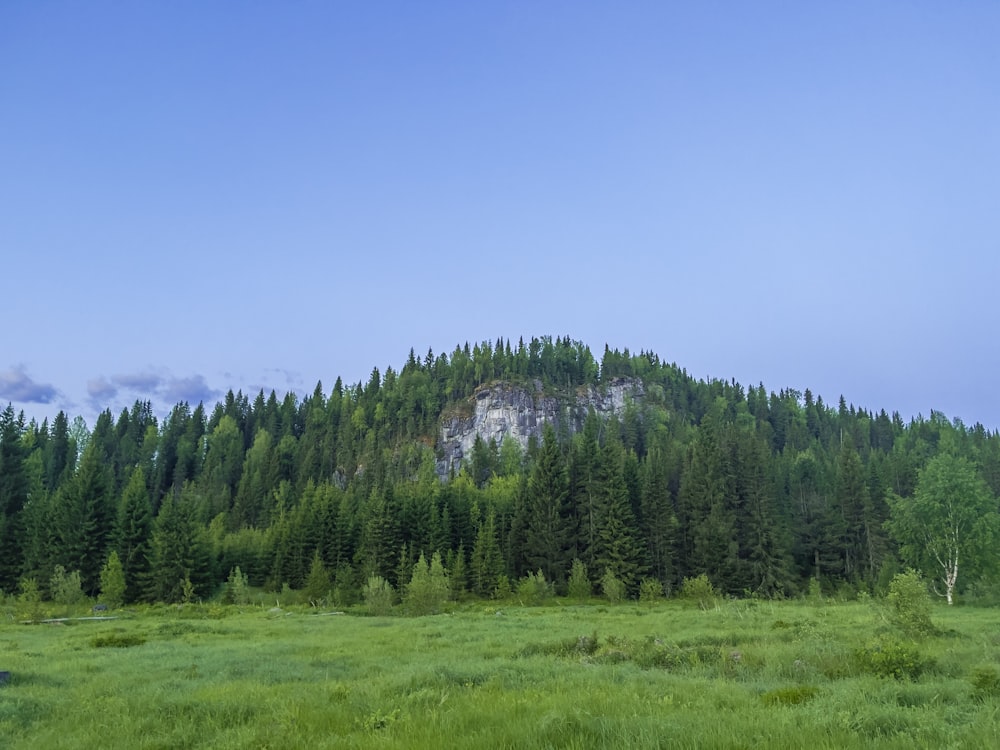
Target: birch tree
{"x": 948, "y": 525}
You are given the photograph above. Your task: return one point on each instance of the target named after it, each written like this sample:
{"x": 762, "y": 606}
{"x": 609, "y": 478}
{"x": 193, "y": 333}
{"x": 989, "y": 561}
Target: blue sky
{"x": 203, "y": 196}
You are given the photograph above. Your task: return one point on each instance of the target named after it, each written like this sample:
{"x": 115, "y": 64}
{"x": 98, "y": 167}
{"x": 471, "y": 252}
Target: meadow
{"x": 736, "y": 673}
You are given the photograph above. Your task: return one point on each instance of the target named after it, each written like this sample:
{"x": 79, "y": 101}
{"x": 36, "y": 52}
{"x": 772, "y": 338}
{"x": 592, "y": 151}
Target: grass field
{"x": 740, "y": 674}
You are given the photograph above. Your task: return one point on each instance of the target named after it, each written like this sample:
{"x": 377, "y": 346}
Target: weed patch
{"x": 117, "y": 640}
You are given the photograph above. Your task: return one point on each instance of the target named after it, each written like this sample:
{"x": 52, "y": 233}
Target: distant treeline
{"x": 760, "y": 491}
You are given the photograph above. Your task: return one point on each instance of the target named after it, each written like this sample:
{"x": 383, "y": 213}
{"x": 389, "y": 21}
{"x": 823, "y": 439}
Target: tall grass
{"x": 737, "y": 674}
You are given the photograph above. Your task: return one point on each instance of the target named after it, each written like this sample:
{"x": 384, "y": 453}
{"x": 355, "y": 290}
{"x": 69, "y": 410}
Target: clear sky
{"x": 202, "y": 196}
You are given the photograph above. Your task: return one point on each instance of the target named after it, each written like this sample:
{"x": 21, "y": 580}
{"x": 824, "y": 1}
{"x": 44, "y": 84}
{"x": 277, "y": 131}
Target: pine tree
{"x": 132, "y": 535}
{"x": 487, "y": 562}
{"x": 179, "y": 552}
{"x": 546, "y": 522}
{"x": 13, "y": 497}
{"x": 83, "y": 516}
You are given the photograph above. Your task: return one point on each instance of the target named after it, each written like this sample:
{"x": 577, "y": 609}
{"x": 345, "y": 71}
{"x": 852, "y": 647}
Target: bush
{"x": 889, "y": 657}
{"x": 910, "y": 604}
{"x": 700, "y": 591}
{"x": 985, "y": 682}
{"x": 533, "y": 589}
{"x": 237, "y": 588}
{"x": 502, "y": 592}
{"x": 428, "y": 589}
{"x": 118, "y": 640}
{"x": 579, "y": 586}
{"x": 66, "y": 587}
{"x": 612, "y": 587}
{"x": 650, "y": 591}
{"x": 378, "y": 595}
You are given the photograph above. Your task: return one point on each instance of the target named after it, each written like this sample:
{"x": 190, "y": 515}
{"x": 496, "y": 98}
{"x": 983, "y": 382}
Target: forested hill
{"x": 759, "y": 490}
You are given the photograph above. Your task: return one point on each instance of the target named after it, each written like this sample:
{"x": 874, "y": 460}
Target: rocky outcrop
{"x": 501, "y": 410}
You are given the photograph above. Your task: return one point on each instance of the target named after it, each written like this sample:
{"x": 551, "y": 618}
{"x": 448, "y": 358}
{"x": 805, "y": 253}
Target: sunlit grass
{"x": 742, "y": 674}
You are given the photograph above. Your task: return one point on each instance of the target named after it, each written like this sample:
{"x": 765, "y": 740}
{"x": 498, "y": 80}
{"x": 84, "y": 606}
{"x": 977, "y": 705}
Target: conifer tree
{"x": 132, "y": 534}
{"x": 547, "y": 526}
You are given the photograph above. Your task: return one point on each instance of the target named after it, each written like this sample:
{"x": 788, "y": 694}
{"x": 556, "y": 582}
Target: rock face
{"x": 501, "y": 410}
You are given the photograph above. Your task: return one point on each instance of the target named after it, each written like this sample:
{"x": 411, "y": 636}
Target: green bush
{"x": 700, "y": 591}
{"x": 428, "y": 589}
{"x": 985, "y": 682}
{"x": 118, "y": 640}
{"x": 650, "y": 591}
{"x": 65, "y": 587}
{"x": 889, "y": 657}
{"x": 612, "y": 587}
{"x": 578, "y": 586}
{"x": 533, "y": 589}
{"x": 378, "y": 595}
{"x": 910, "y": 604}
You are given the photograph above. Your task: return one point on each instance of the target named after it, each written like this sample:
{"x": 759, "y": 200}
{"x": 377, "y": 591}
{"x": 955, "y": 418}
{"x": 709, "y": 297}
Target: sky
{"x": 197, "y": 197}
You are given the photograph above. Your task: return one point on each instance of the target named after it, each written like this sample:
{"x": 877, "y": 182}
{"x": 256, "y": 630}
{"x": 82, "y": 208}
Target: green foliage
{"x": 237, "y": 587}
{"x": 533, "y": 590}
{"x": 951, "y": 518}
{"x": 650, "y": 591}
{"x": 64, "y": 587}
{"x": 612, "y": 587}
{"x": 910, "y": 604}
{"x": 378, "y": 595}
{"x": 113, "y": 582}
{"x": 117, "y": 640}
{"x": 428, "y": 589}
{"x": 890, "y": 657}
{"x": 578, "y": 586}
{"x": 317, "y": 587}
{"x": 985, "y": 682}
{"x": 503, "y": 591}
{"x": 699, "y": 590}
{"x": 29, "y": 599}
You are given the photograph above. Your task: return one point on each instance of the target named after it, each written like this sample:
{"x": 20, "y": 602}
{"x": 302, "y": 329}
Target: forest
{"x": 764, "y": 493}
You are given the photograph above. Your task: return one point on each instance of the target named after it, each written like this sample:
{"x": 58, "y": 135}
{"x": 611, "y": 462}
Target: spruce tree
{"x": 547, "y": 526}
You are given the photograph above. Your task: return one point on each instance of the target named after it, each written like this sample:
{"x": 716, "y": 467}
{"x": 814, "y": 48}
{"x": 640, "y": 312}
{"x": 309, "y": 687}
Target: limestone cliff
{"x": 501, "y": 410}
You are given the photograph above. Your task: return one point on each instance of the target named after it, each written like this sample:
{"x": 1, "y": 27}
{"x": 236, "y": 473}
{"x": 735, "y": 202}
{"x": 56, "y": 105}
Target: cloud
{"x": 191, "y": 389}
{"x": 144, "y": 382}
{"x": 101, "y": 388}
{"x": 17, "y": 385}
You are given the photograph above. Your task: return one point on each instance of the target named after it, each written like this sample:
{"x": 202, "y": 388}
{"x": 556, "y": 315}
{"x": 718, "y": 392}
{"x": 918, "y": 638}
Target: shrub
{"x": 889, "y": 657}
{"x": 317, "y": 587}
{"x": 113, "y": 581}
{"x": 428, "y": 589}
{"x": 378, "y": 595}
{"x": 118, "y": 640}
{"x": 533, "y": 589}
{"x": 700, "y": 591}
{"x": 910, "y": 604}
{"x": 578, "y": 586}
{"x": 237, "y": 587}
{"x": 650, "y": 591}
{"x": 502, "y": 592}
{"x": 65, "y": 587}
{"x": 985, "y": 682}
{"x": 612, "y": 587}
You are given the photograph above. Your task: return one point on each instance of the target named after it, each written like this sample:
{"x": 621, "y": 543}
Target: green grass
{"x": 743, "y": 674}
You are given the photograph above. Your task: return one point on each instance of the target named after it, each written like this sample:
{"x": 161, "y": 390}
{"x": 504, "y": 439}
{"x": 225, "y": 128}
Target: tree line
{"x": 759, "y": 491}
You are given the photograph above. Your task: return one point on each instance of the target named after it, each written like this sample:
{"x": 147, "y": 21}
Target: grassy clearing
{"x": 742, "y": 674}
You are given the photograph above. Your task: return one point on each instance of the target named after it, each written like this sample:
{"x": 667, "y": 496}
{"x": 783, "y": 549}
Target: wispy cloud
{"x": 149, "y": 384}
{"x": 101, "y": 389}
{"x": 191, "y": 389}
{"x": 17, "y": 385}
{"x": 143, "y": 382}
